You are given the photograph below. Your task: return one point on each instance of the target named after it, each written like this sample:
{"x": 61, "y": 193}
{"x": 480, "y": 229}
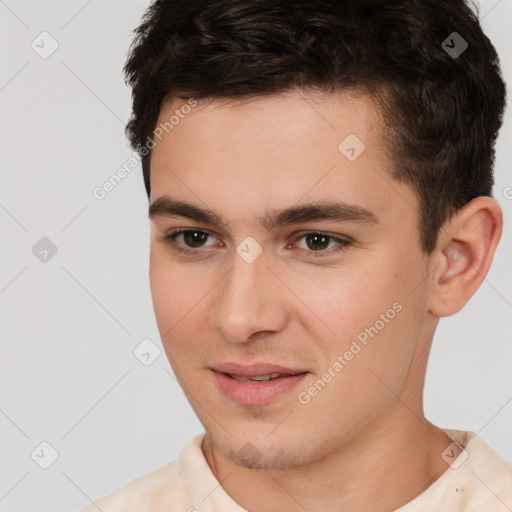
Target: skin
{"x": 363, "y": 442}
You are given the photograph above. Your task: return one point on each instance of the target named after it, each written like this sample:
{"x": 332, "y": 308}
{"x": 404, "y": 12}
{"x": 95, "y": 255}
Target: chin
{"x": 260, "y": 452}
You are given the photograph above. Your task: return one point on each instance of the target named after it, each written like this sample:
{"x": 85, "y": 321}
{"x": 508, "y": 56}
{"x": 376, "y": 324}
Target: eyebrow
{"x": 165, "y": 206}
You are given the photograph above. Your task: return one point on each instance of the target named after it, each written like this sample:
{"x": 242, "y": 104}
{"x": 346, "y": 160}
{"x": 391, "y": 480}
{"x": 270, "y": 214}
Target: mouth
{"x": 259, "y": 378}
{"x": 256, "y": 370}
{"x": 256, "y": 385}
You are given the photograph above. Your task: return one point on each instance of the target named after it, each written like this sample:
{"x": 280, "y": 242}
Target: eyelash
{"x": 169, "y": 238}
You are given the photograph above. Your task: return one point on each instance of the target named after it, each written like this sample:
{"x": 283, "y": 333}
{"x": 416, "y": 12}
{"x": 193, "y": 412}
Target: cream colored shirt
{"x": 476, "y": 481}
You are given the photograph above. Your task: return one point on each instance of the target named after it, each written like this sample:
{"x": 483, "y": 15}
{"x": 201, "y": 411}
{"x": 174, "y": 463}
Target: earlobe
{"x": 464, "y": 255}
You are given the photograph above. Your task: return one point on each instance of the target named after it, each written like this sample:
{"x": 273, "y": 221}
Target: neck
{"x": 385, "y": 466}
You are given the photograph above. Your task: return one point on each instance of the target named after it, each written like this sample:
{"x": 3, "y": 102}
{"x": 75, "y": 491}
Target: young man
{"x": 320, "y": 184}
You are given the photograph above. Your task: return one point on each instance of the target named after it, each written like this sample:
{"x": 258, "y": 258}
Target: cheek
{"x": 376, "y": 328}
{"x": 163, "y": 288}
{"x": 174, "y": 295}
{"x": 174, "y": 287}
{"x": 342, "y": 300}
{"x": 373, "y": 306}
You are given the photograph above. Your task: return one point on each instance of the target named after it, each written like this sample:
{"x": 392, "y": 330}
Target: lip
{"x": 252, "y": 370}
{"x": 256, "y": 393}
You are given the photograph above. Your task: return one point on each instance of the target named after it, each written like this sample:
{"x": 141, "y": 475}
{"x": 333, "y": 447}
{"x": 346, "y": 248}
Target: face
{"x": 334, "y": 294}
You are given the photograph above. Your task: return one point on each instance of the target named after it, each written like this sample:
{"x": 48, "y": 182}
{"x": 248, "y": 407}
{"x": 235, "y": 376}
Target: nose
{"x": 250, "y": 299}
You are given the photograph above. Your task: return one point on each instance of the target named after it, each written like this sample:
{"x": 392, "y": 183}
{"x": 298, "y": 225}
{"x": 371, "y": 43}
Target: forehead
{"x": 245, "y": 157}
{"x": 286, "y": 117}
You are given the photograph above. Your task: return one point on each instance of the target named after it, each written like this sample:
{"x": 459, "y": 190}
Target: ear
{"x": 464, "y": 254}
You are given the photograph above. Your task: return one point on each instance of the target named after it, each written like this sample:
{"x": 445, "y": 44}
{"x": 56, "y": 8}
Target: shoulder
{"x": 482, "y": 480}
{"x": 495, "y": 478}
{"x": 166, "y": 486}
{"x": 152, "y": 487}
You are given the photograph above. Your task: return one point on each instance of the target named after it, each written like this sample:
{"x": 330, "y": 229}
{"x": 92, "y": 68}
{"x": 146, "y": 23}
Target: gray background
{"x": 68, "y": 327}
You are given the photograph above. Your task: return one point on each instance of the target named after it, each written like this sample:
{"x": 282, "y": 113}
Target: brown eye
{"x": 188, "y": 240}
{"x": 317, "y": 241}
{"x": 316, "y": 244}
{"x": 194, "y": 238}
